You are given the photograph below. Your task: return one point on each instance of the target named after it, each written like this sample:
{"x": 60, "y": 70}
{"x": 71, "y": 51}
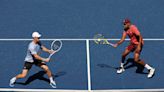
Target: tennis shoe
{"x": 151, "y": 73}
{"x": 12, "y": 81}
{"x": 120, "y": 70}
{"x": 53, "y": 84}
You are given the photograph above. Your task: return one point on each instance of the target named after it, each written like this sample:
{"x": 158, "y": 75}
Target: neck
{"x": 35, "y": 41}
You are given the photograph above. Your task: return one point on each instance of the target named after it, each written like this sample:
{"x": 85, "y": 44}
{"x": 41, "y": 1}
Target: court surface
{"x": 81, "y": 65}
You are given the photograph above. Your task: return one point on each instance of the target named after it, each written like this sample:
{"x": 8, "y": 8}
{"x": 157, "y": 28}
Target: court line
{"x": 69, "y": 39}
{"x": 88, "y": 66}
{"x": 67, "y": 90}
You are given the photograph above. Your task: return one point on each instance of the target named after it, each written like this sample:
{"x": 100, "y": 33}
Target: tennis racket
{"x": 56, "y": 45}
{"x": 99, "y": 39}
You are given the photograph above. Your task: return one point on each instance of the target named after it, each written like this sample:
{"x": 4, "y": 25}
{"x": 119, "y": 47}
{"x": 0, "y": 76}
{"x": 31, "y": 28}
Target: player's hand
{"x": 138, "y": 49}
{"x": 46, "y": 59}
{"x": 115, "y": 45}
{"x": 51, "y": 51}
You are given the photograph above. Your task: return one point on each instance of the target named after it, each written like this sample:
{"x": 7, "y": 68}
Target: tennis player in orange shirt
{"x": 136, "y": 45}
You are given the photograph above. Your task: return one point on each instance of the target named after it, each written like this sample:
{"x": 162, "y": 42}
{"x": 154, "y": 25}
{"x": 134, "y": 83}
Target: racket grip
{"x": 111, "y": 44}
{"x": 51, "y": 55}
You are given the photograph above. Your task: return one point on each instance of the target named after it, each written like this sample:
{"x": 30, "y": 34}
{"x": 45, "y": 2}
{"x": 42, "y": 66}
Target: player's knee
{"x": 136, "y": 59}
{"x": 23, "y": 75}
{"x": 46, "y": 69}
{"x": 123, "y": 55}
{"x": 137, "y": 52}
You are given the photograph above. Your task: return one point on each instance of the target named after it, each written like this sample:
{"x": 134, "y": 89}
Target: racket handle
{"x": 51, "y": 54}
{"x": 111, "y": 44}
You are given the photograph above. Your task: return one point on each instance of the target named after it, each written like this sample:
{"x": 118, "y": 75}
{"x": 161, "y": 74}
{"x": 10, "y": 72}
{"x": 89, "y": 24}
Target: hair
{"x": 125, "y": 21}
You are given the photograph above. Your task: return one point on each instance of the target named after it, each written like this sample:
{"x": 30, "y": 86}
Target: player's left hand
{"x": 115, "y": 45}
{"x": 138, "y": 48}
{"x": 51, "y": 51}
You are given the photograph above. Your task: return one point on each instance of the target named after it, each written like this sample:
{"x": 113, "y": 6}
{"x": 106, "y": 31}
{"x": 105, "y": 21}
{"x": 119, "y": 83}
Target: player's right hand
{"x": 115, "y": 45}
{"x": 51, "y": 51}
{"x": 46, "y": 59}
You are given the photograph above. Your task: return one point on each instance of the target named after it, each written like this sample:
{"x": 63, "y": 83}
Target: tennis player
{"x": 33, "y": 58}
{"x": 136, "y": 45}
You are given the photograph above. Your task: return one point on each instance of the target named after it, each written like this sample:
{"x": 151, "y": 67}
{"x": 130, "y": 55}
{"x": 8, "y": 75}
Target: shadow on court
{"x": 129, "y": 64}
{"x": 40, "y": 76}
{"x": 107, "y": 66}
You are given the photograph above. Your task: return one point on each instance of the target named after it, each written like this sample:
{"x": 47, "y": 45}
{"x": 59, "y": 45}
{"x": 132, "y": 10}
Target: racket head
{"x": 98, "y": 38}
{"x": 56, "y": 45}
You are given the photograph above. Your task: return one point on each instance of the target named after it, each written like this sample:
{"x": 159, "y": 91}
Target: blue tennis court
{"x": 81, "y": 64}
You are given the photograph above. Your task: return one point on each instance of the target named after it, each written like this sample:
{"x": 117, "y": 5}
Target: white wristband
{"x": 43, "y": 59}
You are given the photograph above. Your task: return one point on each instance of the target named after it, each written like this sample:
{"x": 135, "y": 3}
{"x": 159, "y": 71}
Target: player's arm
{"x": 45, "y": 49}
{"x": 137, "y": 33}
{"x": 36, "y": 56}
{"x": 140, "y": 40}
{"x": 139, "y": 44}
{"x": 121, "y": 40}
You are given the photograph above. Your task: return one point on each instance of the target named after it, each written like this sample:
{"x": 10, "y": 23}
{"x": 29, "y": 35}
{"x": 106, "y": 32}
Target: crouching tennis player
{"x": 136, "y": 45}
{"x": 33, "y": 58}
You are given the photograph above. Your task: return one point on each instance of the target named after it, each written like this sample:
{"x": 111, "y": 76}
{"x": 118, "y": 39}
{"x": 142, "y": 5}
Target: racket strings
{"x": 99, "y": 39}
{"x": 56, "y": 45}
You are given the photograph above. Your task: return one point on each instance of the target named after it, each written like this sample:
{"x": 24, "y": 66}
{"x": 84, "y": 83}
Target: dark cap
{"x": 125, "y": 21}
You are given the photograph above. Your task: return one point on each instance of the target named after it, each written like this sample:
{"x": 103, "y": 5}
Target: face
{"x": 126, "y": 26}
{"x": 36, "y": 39}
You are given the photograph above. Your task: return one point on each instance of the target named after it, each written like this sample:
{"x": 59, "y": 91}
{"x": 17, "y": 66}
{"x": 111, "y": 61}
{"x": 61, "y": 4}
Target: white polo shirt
{"x": 32, "y": 49}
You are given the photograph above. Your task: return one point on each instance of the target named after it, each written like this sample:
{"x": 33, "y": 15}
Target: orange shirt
{"x": 133, "y": 34}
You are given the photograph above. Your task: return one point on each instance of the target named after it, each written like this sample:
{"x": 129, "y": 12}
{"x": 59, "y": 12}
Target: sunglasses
{"x": 38, "y": 37}
{"x": 124, "y": 23}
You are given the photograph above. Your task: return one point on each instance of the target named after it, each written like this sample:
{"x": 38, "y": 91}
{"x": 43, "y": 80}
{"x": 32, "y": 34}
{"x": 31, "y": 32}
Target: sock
{"x": 122, "y": 65}
{"x": 148, "y": 67}
{"x": 14, "y": 78}
{"x": 123, "y": 59}
{"x": 51, "y": 79}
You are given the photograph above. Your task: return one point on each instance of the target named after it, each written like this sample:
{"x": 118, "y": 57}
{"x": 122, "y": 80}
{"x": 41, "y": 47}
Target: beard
{"x": 126, "y": 28}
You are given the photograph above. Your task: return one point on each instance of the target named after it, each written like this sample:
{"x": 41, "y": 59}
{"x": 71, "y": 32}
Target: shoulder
{"x": 133, "y": 26}
{"x": 31, "y": 45}
{"x": 135, "y": 30}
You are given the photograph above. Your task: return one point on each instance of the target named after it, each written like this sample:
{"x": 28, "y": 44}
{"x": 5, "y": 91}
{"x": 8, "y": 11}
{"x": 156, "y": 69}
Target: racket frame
{"x": 53, "y": 49}
{"x": 98, "y": 40}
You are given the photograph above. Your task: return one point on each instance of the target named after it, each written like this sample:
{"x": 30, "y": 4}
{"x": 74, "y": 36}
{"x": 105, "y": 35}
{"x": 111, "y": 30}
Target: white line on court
{"x": 88, "y": 66}
{"x": 69, "y": 39}
{"x": 48, "y": 39}
{"x": 61, "y": 90}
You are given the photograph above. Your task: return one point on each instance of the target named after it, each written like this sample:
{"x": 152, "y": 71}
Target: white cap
{"x": 36, "y": 34}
